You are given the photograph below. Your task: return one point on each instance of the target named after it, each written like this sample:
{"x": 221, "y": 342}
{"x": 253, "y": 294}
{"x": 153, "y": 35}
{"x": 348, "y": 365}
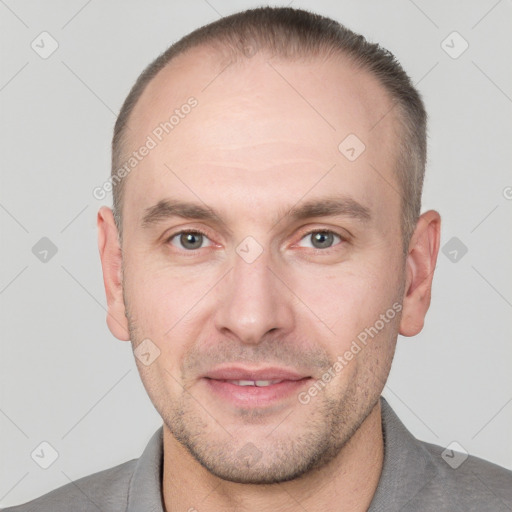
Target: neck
{"x": 348, "y": 482}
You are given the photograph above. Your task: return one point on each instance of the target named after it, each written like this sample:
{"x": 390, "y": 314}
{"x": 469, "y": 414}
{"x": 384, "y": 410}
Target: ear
{"x": 111, "y": 262}
{"x": 420, "y": 265}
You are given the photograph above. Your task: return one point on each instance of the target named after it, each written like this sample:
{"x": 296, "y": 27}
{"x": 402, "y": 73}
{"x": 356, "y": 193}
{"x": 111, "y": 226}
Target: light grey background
{"x": 67, "y": 381}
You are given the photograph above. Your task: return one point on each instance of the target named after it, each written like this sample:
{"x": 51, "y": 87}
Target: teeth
{"x": 258, "y": 383}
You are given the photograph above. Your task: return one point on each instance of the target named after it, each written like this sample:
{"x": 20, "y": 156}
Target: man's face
{"x": 263, "y": 294}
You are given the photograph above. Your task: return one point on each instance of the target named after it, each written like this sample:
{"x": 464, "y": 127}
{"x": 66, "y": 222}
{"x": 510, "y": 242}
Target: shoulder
{"x": 106, "y": 490}
{"x": 421, "y": 476}
{"x": 134, "y": 485}
{"x": 464, "y": 482}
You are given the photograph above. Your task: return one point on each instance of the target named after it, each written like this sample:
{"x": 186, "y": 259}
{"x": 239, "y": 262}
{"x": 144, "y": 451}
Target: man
{"x": 264, "y": 251}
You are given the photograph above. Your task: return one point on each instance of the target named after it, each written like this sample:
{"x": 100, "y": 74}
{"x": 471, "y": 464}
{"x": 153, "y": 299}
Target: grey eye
{"x": 189, "y": 240}
{"x": 321, "y": 239}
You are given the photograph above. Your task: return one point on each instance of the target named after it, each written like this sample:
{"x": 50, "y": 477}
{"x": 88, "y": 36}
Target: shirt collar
{"x": 145, "y": 490}
{"x": 407, "y": 465}
{"x": 406, "y": 469}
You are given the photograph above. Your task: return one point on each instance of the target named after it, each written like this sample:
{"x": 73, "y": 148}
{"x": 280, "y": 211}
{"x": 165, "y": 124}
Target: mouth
{"x": 242, "y": 387}
{"x": 257, "y": 383}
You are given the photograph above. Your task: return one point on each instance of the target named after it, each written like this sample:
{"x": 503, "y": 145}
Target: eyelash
{"x": 325, "y": 251}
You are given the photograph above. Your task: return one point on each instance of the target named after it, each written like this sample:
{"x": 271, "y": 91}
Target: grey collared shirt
{"x": 415, "y": 477}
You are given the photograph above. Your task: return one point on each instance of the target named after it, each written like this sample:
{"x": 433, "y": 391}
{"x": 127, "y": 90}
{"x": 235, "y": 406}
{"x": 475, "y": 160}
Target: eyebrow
{"x": 330, "y": 207}
{"x": 321, "y": 207}
{"x": 167, "y": 208}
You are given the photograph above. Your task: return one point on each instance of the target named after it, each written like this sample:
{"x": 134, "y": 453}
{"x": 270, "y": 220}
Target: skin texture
{"x": 262, "y": 139}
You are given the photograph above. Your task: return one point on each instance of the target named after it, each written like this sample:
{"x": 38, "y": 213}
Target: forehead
{"x": 265, "y": 127}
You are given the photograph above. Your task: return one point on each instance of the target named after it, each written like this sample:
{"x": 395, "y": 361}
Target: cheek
{"x": 362, "y": 312}
{"x": 159, "y": 297}
{"x": 159, "y": 308}
{"x": 346, "y": 301}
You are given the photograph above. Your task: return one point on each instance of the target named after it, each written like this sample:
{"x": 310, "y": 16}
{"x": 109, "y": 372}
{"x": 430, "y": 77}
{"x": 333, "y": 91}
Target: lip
{"x": 217, "y": 383}
{"x": 241, "y": 373}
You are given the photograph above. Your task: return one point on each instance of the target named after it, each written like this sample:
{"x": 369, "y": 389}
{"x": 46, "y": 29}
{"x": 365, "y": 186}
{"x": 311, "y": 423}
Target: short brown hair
{"x": 292, "y": 34}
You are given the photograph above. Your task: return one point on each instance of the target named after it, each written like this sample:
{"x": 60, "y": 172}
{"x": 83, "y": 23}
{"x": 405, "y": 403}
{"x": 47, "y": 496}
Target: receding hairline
{"x": 294, "y": 34}
{"x": 222, "y": 58}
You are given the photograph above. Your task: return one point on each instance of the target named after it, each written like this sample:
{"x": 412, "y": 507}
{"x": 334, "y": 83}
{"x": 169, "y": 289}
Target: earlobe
{"x": 111, "y": 263}
{"x": 420, "y": 266}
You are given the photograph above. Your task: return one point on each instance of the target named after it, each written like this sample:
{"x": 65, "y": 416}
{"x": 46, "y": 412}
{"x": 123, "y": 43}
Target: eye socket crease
{"x": 329, "y": 206}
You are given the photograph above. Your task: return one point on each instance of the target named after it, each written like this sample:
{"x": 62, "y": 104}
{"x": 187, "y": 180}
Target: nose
{"x": 253, "y": 301}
